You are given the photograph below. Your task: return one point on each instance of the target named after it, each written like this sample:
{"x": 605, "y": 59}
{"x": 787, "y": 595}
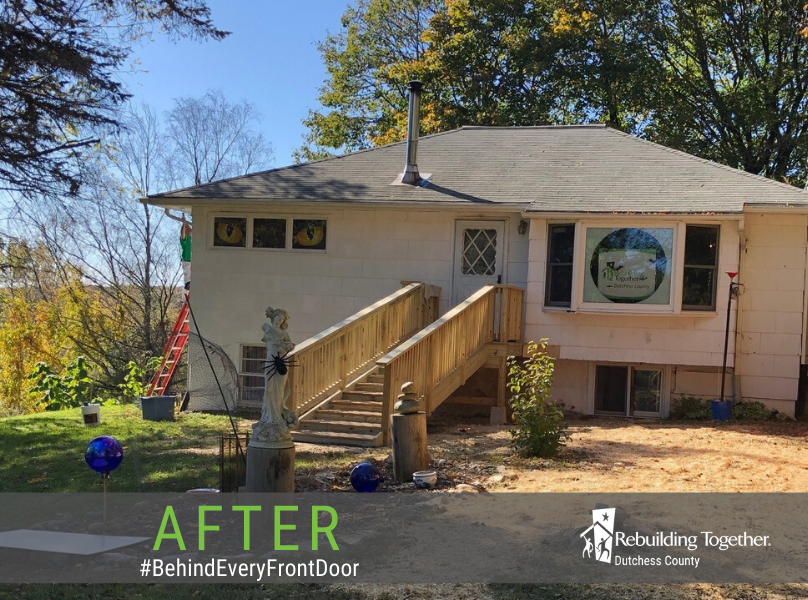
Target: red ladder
{"x": 171, "y": 353}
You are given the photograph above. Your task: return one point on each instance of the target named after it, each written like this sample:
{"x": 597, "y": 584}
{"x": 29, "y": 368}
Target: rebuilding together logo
{"x": 601, "y": 541}
{"x": 599, "y": 537}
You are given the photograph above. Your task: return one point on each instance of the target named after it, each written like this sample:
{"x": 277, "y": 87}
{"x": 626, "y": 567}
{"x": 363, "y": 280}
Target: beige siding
{"x": 369, "y": 254}
{"x": 770, "y": 327}
{"x": 769, "y": 321}
{"x": 666, "y": 339}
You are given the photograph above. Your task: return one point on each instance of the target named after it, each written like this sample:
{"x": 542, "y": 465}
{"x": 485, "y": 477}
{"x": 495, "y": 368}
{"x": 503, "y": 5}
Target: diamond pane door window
{"x": 479, "y": 251}
{"x": 478, "y": 257}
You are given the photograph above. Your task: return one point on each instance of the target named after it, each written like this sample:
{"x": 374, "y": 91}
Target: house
{"x": 620, "y": 247}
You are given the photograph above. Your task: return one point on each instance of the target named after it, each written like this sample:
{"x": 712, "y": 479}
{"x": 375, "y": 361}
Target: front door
{"x": 479, "y": 257}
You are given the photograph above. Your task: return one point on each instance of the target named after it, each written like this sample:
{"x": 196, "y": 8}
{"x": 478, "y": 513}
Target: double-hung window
{"x": 560, "y": 252}
{"x": 701, "y": 267}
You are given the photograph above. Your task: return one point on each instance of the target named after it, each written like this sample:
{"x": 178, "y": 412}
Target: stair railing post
{"x": 343, "y": 361}
{"x": 388, "y": 397}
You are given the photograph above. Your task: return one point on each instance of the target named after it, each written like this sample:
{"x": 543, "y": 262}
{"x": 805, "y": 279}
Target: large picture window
{"x": 701, "y": 267}
{"x": 628, "y": 265}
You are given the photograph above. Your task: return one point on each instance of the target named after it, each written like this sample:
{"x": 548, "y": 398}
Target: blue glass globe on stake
{"x": 104, "y": 454}
{"x": 365, "y": 477}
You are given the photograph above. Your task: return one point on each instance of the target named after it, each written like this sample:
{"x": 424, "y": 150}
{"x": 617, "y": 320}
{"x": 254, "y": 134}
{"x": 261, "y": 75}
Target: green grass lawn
{"x": 45, "y": 452}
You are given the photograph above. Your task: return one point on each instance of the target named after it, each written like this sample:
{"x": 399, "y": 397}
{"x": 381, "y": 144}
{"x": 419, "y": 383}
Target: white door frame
{"x": 482, "y": 221}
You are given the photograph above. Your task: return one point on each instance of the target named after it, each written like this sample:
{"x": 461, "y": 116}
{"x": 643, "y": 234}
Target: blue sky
{"x": 270, "y": 59}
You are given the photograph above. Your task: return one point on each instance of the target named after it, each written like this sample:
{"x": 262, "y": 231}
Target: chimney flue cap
{"x": 415, "y": 85}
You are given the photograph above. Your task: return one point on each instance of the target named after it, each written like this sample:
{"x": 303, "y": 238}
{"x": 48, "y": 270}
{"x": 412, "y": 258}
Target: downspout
{"x": 181, "y": 219}
{"x": 736, "y": 380}
{"x": 802, "y": 385}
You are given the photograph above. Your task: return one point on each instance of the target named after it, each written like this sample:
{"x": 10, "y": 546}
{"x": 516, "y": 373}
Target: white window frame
{"x": 251, "y": 216}
{"x": 674, "y": 307}
{"x": 242, "y": 374}
{"x": 664, "y": 397}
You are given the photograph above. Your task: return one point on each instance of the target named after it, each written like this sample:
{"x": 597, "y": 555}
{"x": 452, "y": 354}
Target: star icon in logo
{"x": 605, "y": 517}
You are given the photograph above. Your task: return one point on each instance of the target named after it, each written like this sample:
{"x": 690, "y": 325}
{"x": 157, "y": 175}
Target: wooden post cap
{"x": 407, "y": 400}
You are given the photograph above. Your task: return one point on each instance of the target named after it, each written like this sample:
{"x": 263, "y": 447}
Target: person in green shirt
{"x": 185, "y": 242}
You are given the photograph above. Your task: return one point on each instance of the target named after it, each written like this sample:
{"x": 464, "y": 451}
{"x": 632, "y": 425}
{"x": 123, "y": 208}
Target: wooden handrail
{"x": 326, "y": 362}
{"x": 445, "y": 352}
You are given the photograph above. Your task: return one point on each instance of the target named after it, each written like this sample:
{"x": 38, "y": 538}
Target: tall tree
{"x": 724, "y": 80}
{"x": 736, "y": 85}
{"x": 58, "y": 63}
{"x": 489, "y": 62}
{"x": 212, "y": 139}
{"x": 367, "y": 63}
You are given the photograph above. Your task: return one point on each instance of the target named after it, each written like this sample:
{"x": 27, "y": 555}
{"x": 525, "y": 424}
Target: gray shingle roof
{"x": 587, "y": 168}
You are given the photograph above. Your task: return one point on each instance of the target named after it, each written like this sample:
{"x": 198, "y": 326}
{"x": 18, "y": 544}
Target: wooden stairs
{"x": 352, "y": 417}
{"x": 347, "y": 378}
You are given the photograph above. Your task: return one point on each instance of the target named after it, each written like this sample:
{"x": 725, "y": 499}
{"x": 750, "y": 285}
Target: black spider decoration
{"x": 279, "y": 364}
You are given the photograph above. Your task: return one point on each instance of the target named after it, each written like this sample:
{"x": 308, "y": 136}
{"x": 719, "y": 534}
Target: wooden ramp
{"x": 348, "y": 377}
{"x": 480, "y": 332}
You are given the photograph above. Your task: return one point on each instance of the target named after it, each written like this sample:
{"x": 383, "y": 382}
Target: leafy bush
{"x": 751, "y": 411}
{"x": 69, "y": 389}
{"x": 690, "y": 408}
{"x": 136, "y": 381}
{"x": 540, "y": 429}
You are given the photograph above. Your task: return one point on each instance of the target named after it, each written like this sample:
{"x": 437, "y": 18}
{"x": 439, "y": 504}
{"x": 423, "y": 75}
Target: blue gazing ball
{"x": 104, "y": 454}
{"x": 365, "y": 477}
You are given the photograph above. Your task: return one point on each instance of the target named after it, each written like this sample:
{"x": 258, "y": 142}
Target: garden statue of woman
{"x": 272, "y": 430}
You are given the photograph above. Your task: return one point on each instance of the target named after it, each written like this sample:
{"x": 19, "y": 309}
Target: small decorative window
{"x": 230, "y": 232}
{"x": 479, "y": 252}
{"x": 252, "y": 373}
{"x": 560, "y": 251}
{"x": 269, "y": 233}
{"x": 308, "y": 234}
{"x": 701, "y": 267}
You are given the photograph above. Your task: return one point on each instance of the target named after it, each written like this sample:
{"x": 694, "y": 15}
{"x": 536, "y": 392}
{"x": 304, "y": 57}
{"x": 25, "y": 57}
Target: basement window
{"x": 628, "y": 390}
{"x": 251, "y": 374}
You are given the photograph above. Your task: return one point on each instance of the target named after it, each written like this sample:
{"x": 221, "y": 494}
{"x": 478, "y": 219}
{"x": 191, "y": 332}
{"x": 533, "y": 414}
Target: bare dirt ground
{"x": 619, "y": 455}
{"x": 603, "y": 455}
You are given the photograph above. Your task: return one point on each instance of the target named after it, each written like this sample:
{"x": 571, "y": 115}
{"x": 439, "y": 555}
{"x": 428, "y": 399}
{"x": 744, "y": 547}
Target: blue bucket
{"x": 722, "y": 411}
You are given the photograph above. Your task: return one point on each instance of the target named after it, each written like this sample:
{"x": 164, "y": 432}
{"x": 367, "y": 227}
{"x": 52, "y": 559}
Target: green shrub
{"x": 751, "y": 411}
{"x": 69, "y": 389}
{"x": 539, "y": 426}
{"x": 690, "y": 408}
{"x": 136, "y": 382}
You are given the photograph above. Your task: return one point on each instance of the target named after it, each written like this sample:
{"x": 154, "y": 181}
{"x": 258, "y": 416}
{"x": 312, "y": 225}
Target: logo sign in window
{"x": 628, "y": 265}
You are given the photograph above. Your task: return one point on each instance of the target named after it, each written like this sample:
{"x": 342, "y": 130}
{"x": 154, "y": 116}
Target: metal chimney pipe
{"x": 411, "y": 175}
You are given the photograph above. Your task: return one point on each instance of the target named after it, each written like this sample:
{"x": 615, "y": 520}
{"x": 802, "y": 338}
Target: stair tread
{"x": 353, "y": 413}
{"x": 331, "y": 435}
{"x": 358, "y": 405}
{"x": 337, "y": 423}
